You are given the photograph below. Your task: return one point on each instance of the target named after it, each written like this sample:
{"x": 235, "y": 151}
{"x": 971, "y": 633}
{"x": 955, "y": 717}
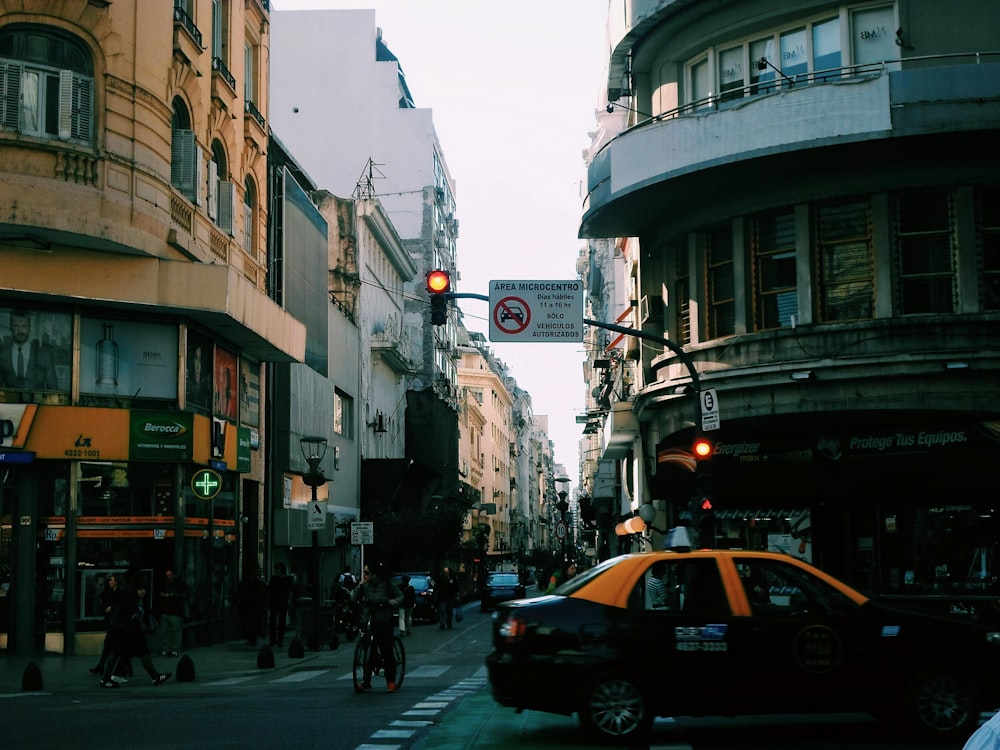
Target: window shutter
{"x": 10, "y": 95}
{"x": 83, "y": 108}
{"x": 183, "y": 163}
{"x": 75, "y": 106}
{"x": 199, "y": 184}
{"x": 227, "y": 206}
{"x": 213, "y": 190}
{"x": 65, "y": 104}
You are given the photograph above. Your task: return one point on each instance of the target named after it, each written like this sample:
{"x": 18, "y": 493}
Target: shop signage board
{"x": 539, "y": 310}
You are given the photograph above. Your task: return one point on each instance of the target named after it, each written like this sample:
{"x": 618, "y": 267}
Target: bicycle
{"x": 366, "y": 653}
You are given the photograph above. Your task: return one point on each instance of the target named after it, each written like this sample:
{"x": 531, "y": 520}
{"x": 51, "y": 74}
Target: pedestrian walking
{"x": 446, "y": 591}
{"x": 279, "y": 591}
{"x": 382, "y": 598}
{"x": 173, "y": 600}
{"x": 110, "y": 595}
{"x": 130, "y": 621}
{"x": 251, "y": 601}
{"x": 407, "y": 605}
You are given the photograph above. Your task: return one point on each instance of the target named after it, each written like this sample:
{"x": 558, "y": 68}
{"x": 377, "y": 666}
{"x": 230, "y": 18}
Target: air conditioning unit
{"x": 439, "y": 193}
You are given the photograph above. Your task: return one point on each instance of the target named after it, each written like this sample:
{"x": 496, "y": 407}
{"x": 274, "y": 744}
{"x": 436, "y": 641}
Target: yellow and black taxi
{"x": 726, "y": 632}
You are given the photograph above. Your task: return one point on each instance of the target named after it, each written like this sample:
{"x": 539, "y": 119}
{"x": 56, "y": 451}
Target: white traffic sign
{"x": 561, "y": 530}
{"x": 362, "y": 532}
{"x": 709, "y": 410}
{"x": 317, "y": 516}
{"x": 536, "y": 311}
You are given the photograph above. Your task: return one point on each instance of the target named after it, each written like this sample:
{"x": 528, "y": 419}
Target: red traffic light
{"x": 706, "y": 504}
{"x": 702, "y": 448}
{"x": 438, "y": 282}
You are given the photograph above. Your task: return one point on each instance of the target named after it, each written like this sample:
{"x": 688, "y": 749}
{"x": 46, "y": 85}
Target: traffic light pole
{"x": 681, "y": 354}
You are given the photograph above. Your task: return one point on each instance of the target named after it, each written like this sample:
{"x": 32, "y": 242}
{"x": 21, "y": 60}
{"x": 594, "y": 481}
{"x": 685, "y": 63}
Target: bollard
{"x": 31, "y": 678}
{"x": 265, "y": 658}
{"x": 185, "y": 669}
{"x": 295, "y": 649}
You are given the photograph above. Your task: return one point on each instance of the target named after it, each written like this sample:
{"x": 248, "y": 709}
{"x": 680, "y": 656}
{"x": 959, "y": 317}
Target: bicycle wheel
{"x": 361, "y": 654}
{"x": 400, "y": 653}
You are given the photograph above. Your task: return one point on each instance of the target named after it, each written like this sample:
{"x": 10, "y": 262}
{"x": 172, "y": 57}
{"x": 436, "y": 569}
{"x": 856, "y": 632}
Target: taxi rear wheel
{"x": 614, "y": 709}
{"x": 943, "y": 703}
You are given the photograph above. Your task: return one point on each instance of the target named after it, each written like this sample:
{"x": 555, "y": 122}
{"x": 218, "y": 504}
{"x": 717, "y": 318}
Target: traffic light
{"x": 439, "y": 285}
{"x": 702, "y": 448}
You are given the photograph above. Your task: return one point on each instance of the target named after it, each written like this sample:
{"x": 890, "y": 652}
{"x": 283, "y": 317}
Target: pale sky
{"x": 513, "y": 86}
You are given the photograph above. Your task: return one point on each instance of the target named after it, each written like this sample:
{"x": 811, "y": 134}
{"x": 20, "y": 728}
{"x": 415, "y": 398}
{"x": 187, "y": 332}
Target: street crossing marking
{"x": 302, "y": 676}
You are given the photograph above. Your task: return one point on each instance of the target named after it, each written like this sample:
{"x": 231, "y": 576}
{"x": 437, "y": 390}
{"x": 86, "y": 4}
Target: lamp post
{"x": 313, "y": 449}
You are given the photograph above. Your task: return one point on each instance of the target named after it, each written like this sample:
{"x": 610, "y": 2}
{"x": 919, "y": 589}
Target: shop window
{"x": 721, "y": 282}
{"x": 118, "y": 489}
{"x": 988, "y": 233}
{"x": 794, "y": 57}
{"x": 844, "y": 253}
{"x": 701, "y": 83}
{"x": 732, "y": 73}
{"x": 775, "y": 295}
{"x": 46, "y": 85}
{"x": 925, "y": 253}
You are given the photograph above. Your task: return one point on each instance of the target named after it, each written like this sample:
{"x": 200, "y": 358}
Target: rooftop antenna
{"x": 365, "y": 189}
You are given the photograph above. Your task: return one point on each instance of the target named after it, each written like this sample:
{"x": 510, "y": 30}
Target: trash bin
{"x": 305, "y": 616}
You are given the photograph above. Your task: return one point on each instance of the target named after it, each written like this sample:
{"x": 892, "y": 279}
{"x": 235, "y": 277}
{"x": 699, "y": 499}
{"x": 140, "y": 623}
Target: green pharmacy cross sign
{"x": 206, "y": 484}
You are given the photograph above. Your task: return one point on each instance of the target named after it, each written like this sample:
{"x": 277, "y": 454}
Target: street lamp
{"x": 313, "y": 449}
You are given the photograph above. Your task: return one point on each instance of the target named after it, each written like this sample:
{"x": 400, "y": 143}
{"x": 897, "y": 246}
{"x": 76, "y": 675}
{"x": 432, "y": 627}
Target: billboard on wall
{"x": 36, "y": 350}
{"x": 161, "y": 436}
{"x": 226, "y": 397}
{"x": 128, "y": 359}
{"x": 198, "y": 378}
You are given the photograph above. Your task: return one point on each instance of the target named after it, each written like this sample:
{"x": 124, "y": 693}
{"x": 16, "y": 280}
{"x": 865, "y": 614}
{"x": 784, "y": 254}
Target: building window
{"x": 776, "y": 299}
{"x": 343, "y": 414}
{"x": 844, "y": 253}
{"x": 721, "y": 283}
{"x": 221, "y": 194}
{"x": 250, "y": 218}
{"x": 872, "y": 37}
{"x": 925, "y": 253}
{"x": 988, "y": 232}
{"x": 682, "y": 296}
{"x": 46, "y": 85}
{"x": 185, "y": 166}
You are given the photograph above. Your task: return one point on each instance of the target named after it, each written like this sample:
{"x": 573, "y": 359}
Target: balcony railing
{"x": 781, "y": 82}
{"x": 220, "y": 67}
{"x": 181, "y": 17}
{"x": 251, "y": 109}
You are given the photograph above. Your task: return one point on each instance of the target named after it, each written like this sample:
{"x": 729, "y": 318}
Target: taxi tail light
{"x": 512, "y": 629}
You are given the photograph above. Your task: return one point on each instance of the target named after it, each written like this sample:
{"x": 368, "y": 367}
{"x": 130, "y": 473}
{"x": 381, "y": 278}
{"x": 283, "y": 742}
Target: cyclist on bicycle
{"x": 381, "y": 597}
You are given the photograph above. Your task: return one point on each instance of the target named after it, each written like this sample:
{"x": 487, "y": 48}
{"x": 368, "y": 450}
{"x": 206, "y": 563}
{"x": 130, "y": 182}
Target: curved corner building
{"x": 815, "y": 189}
{"x": 135, "y": 318}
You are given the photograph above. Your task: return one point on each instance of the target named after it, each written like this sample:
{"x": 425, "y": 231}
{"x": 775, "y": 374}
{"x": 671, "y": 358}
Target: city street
{"x": 444, "y": 704}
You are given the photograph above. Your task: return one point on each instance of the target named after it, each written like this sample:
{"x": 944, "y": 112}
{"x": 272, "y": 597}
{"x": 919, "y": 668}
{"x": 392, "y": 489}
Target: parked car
{"x": 500, "y": 587}
{"x": 727, "y": 632}
{"x": 423, "y": 586}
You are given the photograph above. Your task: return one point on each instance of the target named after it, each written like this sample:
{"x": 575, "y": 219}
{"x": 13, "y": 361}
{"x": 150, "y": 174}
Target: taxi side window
{"x": 776, "y": 589}
{"x": 689, "y": 586}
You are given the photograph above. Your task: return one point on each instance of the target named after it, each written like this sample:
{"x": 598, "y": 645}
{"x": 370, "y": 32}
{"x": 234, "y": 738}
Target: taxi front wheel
{"x": 614, "y": 709}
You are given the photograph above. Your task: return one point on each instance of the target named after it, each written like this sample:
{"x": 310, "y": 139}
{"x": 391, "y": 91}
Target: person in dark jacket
{"x": 108, "y": 601}
{"x": 130, "y": 621}
{"x": 173, "y": 597}
{"x": 446, "y": 591}
{"x": 251, "y": 598}
{"x": 382, "y": 598}
{"x": 279, "y": 591}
